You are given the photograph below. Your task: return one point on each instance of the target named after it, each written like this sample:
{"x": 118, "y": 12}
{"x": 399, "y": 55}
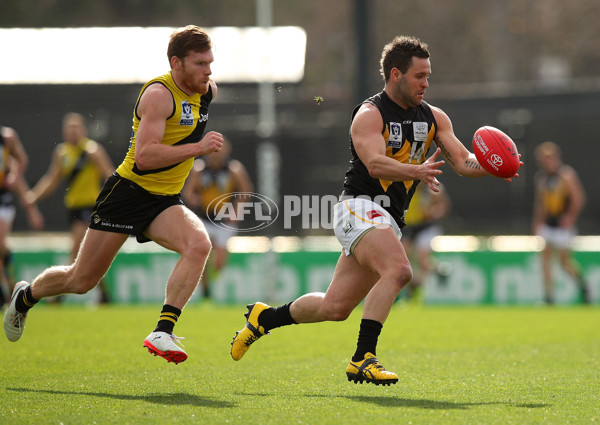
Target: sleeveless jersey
{"x": 214, "y": 184}
{"x": 185, "y": 125}
{"x": 84, "y": 178}
{"x": 408, "y": 135}
{"x": 555, "y": 198}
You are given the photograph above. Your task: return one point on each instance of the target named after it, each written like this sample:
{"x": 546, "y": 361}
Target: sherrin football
{"x": 496, "y": 152}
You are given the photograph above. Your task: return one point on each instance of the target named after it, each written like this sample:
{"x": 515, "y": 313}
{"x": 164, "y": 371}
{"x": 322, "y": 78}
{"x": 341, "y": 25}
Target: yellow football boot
{"x": 370, "y": 370}
{"x": 251, "y": 332}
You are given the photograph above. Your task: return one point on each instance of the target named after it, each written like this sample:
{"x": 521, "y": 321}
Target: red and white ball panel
{"x": 496, "y": 152}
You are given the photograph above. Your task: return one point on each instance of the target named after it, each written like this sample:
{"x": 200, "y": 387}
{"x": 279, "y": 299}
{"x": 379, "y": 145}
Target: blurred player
{"x": 559, "y": 199}
{"x": 427, "y": 208}
{"x": 84, "y": 165}
{"x": 13, "y": 162}
{"x": 212, "y": 179}
{"x": 143, "y": 196}
{"x": 384, "y": 171}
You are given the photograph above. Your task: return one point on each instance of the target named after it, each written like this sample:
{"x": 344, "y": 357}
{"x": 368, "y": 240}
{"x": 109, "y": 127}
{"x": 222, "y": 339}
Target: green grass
{"x": 457, "y": 365}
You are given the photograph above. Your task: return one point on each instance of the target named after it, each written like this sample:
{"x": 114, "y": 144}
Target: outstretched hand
{"x": 429, "y": 170}
{"x": 509, "y": 179}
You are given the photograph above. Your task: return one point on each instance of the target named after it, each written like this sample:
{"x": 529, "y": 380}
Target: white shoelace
{"x": 177, "y": 339}
{"x": 18, "y": 318}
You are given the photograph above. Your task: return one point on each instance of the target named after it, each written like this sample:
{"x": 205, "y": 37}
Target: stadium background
{"x": 530, "y": 67}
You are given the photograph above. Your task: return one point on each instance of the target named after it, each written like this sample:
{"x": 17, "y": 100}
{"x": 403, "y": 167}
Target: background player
{"x": 427, "y": 208}
{"x": 214, "y": 177}
{"x": 13, "y": 162}
{"x": 84, "y": 165}
{"x": 559, "y": 199}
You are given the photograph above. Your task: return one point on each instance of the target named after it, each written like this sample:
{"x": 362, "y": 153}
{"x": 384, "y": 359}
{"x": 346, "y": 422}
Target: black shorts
{"x": 79, "y": 214}
{"x": 125, "y": 207}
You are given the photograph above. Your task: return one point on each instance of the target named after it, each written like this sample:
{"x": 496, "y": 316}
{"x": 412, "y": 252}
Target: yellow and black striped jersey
{"x": 84, "y": 178}
{"x": 555, "y": 197}
{"x": 185, "y": 125}
{"x": 408, "y": 134}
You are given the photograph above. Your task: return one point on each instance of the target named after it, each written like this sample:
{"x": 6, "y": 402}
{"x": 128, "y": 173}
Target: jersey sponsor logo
{"x": 420, "y": 131}
{"x": 395, "y": 138}
{"x": 187, "y": 115}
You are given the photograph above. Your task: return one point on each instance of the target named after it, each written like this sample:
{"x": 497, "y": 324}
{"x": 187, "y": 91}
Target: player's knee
{"x": 400, "y": 274}
{"x": 199, "y": 247}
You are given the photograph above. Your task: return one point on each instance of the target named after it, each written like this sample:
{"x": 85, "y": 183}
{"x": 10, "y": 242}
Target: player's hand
{"x": 429, "y": 170}
{"x": 516, "y": 174}
{"x": 211, "y": 142}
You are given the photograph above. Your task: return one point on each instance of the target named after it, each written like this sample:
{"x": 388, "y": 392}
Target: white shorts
{"x": 354, "y": 217}
{"x": 219, "y": 236}
{"x": 423, "y": 239}
{"x": 557, "y": 237}
{"x": 7, "y": 213}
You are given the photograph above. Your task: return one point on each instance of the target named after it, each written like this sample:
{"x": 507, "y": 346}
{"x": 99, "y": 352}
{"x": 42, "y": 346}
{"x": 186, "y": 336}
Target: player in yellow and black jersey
{"x": 390, "y": 136}
{"x": 84, "y": 165}
{"x": 142, "y": 197}
{"x": 217, "y": 180}
{"x": 559, "y": 199}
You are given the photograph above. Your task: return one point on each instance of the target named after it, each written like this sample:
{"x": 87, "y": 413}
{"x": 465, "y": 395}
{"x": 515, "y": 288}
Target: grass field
{"x": 457, "y": 365}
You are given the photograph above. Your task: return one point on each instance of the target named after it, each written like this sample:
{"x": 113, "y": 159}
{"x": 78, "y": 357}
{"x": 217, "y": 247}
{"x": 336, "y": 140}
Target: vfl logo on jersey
{"x": 187, "y": 115}
{"x": 395, "y": 139}
{"x": 420, "y": 131}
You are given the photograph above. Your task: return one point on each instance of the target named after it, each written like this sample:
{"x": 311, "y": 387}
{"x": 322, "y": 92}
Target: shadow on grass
{"x": 174, "y": 399}
{"x": 434, "y": 404}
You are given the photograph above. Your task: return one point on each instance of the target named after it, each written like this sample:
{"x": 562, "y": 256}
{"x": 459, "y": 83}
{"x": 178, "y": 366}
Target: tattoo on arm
{"x": 445, "y": 152}
{"x": 471, "y": 163}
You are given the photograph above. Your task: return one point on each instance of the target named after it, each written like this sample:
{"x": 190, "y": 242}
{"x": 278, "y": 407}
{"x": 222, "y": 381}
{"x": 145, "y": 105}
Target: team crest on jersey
{"x": 395, "y": 139}
{"x": 420, "y": 131}
{"x": 187, "y": 115}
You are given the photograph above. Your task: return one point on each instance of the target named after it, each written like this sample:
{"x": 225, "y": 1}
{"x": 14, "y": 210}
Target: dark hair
{"x": 188, "y": 39}
{"x": 399, "y": 53}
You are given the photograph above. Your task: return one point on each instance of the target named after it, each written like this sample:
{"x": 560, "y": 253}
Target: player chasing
{"x": 142, "y": 197}
{"x": 390, "y": 136}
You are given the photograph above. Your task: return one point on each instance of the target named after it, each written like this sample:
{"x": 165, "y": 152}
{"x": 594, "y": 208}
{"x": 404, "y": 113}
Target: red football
{"x": 496, "y": 152}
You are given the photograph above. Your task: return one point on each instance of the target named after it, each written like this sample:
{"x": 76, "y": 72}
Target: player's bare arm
{"x": 370, "y": 147}
{"x": 460, "y": 159}
{"x": 19, "y": 157}
{"x": 240, "y": 176}
{"x": 577, "y": 197}
{"x": 155, "y": 106}
{"x": 49, "y": 182}
{"x": 100, "y": 158}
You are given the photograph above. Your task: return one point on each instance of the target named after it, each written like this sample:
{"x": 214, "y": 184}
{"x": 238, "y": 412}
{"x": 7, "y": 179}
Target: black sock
{"x": 276, "y": 317}
{"x": 168, "y": 318}
{"x": 367, "y": 339}
{"x": 25, "y": 300}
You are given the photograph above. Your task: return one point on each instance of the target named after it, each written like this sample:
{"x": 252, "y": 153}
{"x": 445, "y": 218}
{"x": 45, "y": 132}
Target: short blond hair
{"x": 547, "y": 148}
